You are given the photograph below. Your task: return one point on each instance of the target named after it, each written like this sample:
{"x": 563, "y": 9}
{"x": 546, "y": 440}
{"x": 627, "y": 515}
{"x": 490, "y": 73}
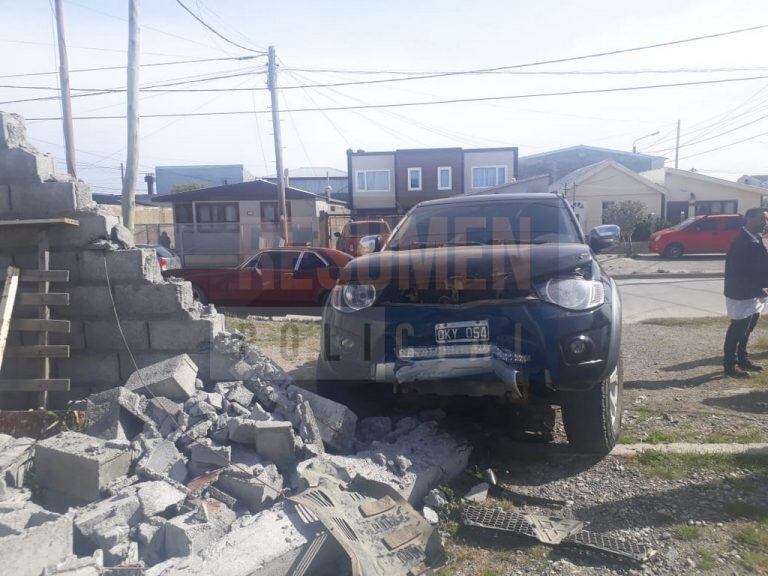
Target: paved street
{"x": 643, "y": 299}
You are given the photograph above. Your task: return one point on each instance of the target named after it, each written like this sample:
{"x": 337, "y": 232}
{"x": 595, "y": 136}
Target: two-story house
{"x": 389, "y": 183}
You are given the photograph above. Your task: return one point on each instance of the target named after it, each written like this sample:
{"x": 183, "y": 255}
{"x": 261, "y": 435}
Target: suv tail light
{"x": 163, "y": 263}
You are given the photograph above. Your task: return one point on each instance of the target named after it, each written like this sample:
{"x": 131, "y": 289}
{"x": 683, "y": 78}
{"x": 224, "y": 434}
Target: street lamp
{"x": 634, "y": 144}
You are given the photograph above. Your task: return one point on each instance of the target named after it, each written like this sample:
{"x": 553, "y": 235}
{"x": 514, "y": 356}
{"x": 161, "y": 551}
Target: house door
{"x": 673, "y": 212}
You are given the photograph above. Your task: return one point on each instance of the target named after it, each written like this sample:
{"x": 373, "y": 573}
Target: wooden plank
{"x": 38, "y": 222}
{"x": 41, "y": 351}
{"x": 6, "y": 306}
{"x": 37, "y": 325}
{"x": 44, "y": 311}
{"x": 52, "y": 299}
{"x": 45, "y": 275}
{"x": 35, "y": 385}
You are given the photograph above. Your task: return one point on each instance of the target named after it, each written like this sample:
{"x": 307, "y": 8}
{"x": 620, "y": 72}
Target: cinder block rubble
{"x": 337, "y": 422}
{"x": 173, "y": 378}
{"x": 191, "y": 532}
{"x": 15, "y": 459}
{"x": 78, "y": 465}
{"x": 116, "y": 414}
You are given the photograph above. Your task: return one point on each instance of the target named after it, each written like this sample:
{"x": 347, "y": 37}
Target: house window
{"x": 182, "y": 213}
{"x": 444, "y": 178}
{"x": 488, "y": 176}
{"x": 414, "y": 178}
{"x": 217, "y": 216}
{"x": 707, "y": 207}
{"x": 373, "y": 180}
{"x": 606, "y": 208}
{"x": 270, "y": 212}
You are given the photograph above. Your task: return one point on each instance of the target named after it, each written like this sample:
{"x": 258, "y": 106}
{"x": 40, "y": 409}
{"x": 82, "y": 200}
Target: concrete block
{"x": 49, "y": 199}
{"x": 13, "y": 133}
{"x": 19, "y": 166}
{"x": 242, "y": 430}
{"x": 74, "y": 566}
{"x": 133, "y": 265}
{"x": 154, "y": 300}
{"x": 105, "y": 335}
{"x": 157, "y": 496}
{"x": 274, "y": 442}
{"x": 16, "y": 457}
{"x": 194, "y": 434}
{"x": 162, "y": 459}
{"x": 151, "y": 540}
{"x": 181, "y": 335}
{"x": 75, "y": 339}
{"x": 337, "y": 422}
{"x": 86, "y": 301}
{"x": 478, "y": 493}
{"x": 66, "y": 260}
{"x": 79, "y": 465}
{"x": 94, "y": 225}
{"x": 235, "y": 392}
{"x": 167, "y": 415}
{"x": 205, "y": 452}
{"x": 115, "y": 414}
{"x": 86, "y": 368}
{"x": 106, "y": 523}
{"x": 271, "y": 543}
{"x": 252, "y": 491}
{"x": 125, "y": 553}
{"x": 32, "y": 538}
{"x": 374, "y": 428}
{"x": 192, "y": 532}
{"x": 309, "y": 429}
{"x": 173, "y": 378}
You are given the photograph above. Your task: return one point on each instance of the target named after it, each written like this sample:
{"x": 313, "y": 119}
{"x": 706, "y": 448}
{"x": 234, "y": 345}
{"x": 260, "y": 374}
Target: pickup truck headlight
{"x": 573, "y": 293}
{"x": 351, "y": 297}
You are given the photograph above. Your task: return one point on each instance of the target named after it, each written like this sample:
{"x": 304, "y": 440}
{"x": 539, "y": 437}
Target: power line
{"x": 568, "y": 59}
{"x": 219, "y": 34}
{"x": 431, "y": 102}
{"x": 96, "y": 48}
{"x": 101, "y": 68}
{"x": 626, "y": 71}
{"x": 725, "y": 146}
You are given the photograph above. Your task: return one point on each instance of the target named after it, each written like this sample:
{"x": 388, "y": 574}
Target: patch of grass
{"x": 701, "y": 321}
{"x": 628, "y": 439}
{"x": 538, "y": 553}
{"x": 289, "y": 334}
{"x": 672, "y": 466}
{"x": 643, "y": 413}
{"x": 754, "y": 535}
{"x": 687, "y": 533}
{"x": 755, "y": 561}
{"x": 658, "y": 437}
{"x": 746, "y": 437}
{"x": 707, "y": 560}
{"x": 747, "y": 511}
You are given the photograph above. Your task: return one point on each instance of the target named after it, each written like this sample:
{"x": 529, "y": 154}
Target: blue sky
{"x": 395, "y": 35}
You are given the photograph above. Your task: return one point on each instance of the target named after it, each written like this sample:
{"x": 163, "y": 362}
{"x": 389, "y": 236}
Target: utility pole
{"x": 272, "y": 85}
{"x": 677, "y": 144}
{"x": 66, "y": 100}
{"x": 132, "y": 157}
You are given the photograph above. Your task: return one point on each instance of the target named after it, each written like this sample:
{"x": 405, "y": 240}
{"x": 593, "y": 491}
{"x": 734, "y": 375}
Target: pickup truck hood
{"x": 477, "y": 271}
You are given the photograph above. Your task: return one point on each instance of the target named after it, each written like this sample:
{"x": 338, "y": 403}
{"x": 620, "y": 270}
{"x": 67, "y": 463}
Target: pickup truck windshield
{"x": 503, "y": 222}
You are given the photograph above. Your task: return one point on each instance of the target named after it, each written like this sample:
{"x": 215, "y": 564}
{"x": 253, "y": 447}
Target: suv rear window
{"x": 367, "y": 228}
{"x": 523, "y": 221}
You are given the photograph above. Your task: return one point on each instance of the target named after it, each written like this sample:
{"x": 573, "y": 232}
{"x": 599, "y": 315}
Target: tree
{"x": 627, "y": 215}
{"x": 187, "y": 187}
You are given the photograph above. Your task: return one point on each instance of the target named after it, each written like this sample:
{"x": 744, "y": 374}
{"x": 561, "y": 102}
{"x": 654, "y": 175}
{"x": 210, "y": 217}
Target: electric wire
{"x": 212, "y": 29}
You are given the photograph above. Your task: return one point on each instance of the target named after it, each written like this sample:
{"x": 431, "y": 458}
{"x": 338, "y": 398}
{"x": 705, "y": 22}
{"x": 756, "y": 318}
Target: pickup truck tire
{"x": 592, "y": 418}
{"x": 674, "y": 250}
{"x": 199, "y": 294}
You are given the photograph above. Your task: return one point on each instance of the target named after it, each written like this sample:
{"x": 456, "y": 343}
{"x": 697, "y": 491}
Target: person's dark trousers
{"x": 736, "y": 338}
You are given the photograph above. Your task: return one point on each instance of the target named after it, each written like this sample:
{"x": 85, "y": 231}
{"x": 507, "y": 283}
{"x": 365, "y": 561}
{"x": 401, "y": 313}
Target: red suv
{"x": 699, "y": 235}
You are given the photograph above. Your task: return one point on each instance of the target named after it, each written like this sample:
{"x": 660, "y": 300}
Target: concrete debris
{"x": 235, "y": 392}
{"x": 205, "y": 452}
{"x": 32, "y": 538}
{"x": 173, "y": 378}
{"x": 116, "y": 414}
{"x": 430, "y": 515}
{"x": 74, "y": 566}
{"x": 308, "y": 428}
{"x": 337, "y": 423}
{"x": 255, "y": 485}
{"x": 16, "y": 456}
{"x": 156, "y": 497}
{"x": 241, "y": 430}
{"x": 436, "y": 499}
{"x": 161, "y": 460}
{"x": 274, "y": 441}
{"x": 478, "y": 493}
{"x": 168, "y": 416}
{"x": 78, "y": 465}
{"x": 151, "y": 540}
{"x": 191, "y": 532}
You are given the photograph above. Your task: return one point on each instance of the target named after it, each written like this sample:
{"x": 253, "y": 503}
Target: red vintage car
{"x": 271, "y": 277}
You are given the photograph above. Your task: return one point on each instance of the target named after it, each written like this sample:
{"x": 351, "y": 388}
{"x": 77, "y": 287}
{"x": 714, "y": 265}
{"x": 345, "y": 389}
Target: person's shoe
{"x": 750, "y": 366}
{"x": 735, "y": 372}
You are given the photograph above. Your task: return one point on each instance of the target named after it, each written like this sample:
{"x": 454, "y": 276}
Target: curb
{"x": 690, "y": 448}
{"x": 671, "y": 275}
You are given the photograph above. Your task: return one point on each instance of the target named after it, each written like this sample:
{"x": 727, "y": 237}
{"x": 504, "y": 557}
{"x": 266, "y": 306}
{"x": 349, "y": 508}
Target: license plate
{"x": 472, "y": 331}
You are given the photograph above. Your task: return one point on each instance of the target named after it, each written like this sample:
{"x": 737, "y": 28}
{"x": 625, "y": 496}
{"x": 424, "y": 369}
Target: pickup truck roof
{"x": 480, "y": 198}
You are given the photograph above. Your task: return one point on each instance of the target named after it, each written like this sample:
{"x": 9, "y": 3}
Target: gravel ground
{"x": 615, "y": 264}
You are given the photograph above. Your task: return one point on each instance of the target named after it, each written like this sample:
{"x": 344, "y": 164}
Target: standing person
{"x": 746, "y": 277}
{"x": 165, "y": 240}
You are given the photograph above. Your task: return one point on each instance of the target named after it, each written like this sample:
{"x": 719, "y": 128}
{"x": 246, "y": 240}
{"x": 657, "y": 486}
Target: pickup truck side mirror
{"x": 337, "y": 234}
{"x": 603, "y": 237}
{"x": 369, "y": 244}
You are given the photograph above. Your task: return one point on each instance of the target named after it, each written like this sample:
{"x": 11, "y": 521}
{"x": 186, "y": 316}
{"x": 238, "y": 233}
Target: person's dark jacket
{"x": 746, "y": 268}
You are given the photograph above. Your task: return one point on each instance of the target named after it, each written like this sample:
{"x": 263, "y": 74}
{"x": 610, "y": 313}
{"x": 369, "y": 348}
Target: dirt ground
{"x": 701, "y": 513}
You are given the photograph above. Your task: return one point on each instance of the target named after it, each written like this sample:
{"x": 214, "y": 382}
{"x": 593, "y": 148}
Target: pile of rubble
{"x": 173, "y": 476}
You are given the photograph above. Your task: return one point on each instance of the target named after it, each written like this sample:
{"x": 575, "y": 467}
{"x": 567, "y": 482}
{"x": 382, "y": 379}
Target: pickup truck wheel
{"x": 199, "y": 294}
{"x": 592, "y": 418}
{"x": 674, "y": 250}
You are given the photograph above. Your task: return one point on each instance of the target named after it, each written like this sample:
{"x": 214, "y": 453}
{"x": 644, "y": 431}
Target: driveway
{"x": 674, "y": 298}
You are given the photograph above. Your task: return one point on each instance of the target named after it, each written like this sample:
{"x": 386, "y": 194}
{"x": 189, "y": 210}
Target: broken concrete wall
{"x": 159, "y": 318}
